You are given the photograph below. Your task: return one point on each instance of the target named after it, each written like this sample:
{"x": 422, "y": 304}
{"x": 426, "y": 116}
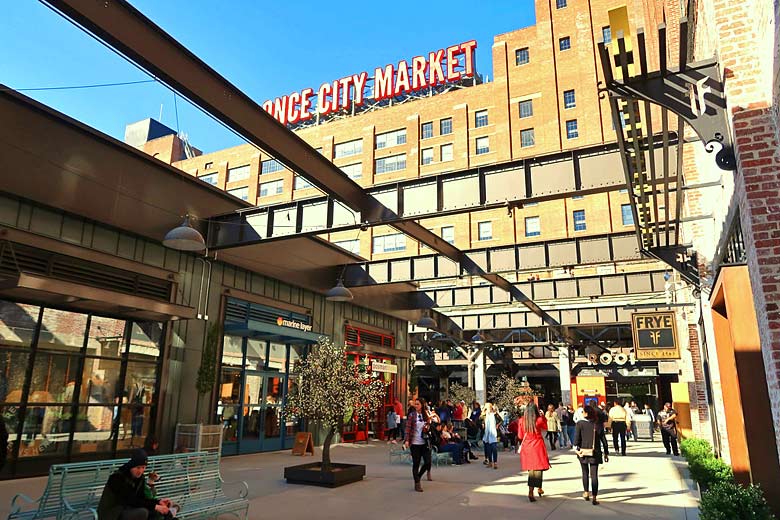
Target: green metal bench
{"x": 400, "y": 455}
{"x": 441, "y": 457}
{"x": 192, "y": 480}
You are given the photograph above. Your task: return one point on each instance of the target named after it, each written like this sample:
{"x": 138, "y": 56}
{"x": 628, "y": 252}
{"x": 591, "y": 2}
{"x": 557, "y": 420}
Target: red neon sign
{"x": 441, "y": 66}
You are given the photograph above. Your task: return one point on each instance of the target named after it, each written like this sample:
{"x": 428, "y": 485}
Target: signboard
{"x": 655, "y": 335}
{"x": 438, "y": 67}
{"x": 607, "y": 358}
{"x": 378, "y": 366}
{"x": 303, "y": 444}
{"x": 668, "y": 367}
{"x": 293, "y": 324}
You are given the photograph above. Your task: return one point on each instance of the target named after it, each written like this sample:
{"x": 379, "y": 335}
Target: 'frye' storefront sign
{"x": 655, "y": 335}
{"x": 442, "y": 66}
{"x": 293, "y": 324}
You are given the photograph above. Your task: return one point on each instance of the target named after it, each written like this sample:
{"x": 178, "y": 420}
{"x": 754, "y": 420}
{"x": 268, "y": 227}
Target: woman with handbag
{"x": 418, "y": 439}
{"x": 490, "y": 438}
{"x": 533, "y": 452}
{"x": 590, "y": 444}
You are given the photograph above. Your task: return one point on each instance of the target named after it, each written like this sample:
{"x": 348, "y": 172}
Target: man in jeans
{"x": 667, "y": 420}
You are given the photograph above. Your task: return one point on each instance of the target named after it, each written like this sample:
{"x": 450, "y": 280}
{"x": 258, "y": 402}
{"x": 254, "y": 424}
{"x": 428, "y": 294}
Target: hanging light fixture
{"x": 477, "y": 338}
{"x": 184, "y": 238}
{"x": 339, "y": 293}
{"x": 426, "y": 321}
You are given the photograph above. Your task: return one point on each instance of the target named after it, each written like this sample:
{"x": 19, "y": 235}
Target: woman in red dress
{"x": 533, "y": 452}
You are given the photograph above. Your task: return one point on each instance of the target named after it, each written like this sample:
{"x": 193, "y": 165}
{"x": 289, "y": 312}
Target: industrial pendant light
{"x": 339, "y": 293}
{"x": 477, "y": 338}
{"x": 426, "y": 321}
{"x": 184, "y": 237}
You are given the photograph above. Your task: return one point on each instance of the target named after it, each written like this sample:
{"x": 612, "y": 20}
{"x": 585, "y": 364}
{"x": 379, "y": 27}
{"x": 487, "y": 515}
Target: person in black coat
{"x": 589, "y": 435}
{"x": 124, "y": 497}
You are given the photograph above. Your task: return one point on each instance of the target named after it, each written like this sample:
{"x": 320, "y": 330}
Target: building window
{"x": 270, "y": 166}
{"x": 577, "y": 197}
{"x": 579, "y": 220}
{"x": 560, "y": 4}
{"x": 526, "y": 108}
{"x": 483, "y": 145}
{"x": 427, "y": 155}
{"x": 208, "y": 165}
{"x": 390, "y": 164}
{"x": 271, "y": 188}
{"x": 393, "y": 138}
{"x": 426, "y": 131}
{"x": 521, "y": 56}
{"x": 564, "y": 43}
{"x": 445, "y": 126}
{"x": 606, "y": 34}
{"x": 448, "y": 234}
{"x": 389, "y": 243}
{"x": 480, "y": 118}
{"x": 628, "y": 216}
{"x": 354, "y": 171}
{"x": 239, "y": 173}
{"x": 353, "y": 246}
{"x": 571, "y": 129}
{"x": 569, "y": 101}
{"x": 533, "y": 227}
{"x": 300, "y": 183}
{"x": 446, "y": 152}
{"x": 241, "y": 193}
{"x": 485, "y": 230}
{"x": 348, "y": 148}
{"x": 211, "y": 178}
{"x": 527, "y": 137}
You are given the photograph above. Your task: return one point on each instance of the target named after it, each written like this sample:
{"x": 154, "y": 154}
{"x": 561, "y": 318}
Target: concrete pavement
{"x": 644, "y": 484}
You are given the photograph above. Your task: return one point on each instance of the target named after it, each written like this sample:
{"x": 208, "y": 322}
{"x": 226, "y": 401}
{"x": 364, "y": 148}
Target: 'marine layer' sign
{"x": 443, "y": 66}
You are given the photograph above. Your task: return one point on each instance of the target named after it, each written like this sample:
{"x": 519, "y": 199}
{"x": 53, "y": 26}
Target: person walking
{"x": 490, "y": 437}
{"x": 533, "y": 453}
{"x": 590, "y": 444}
{"x": 392, "y": 426}
{"x": 553, "y": 426}
{"x": 633, "y": 410}
{"x": 668, "y": 423}
{"x": 618, "y": 421}
{"x": 418, "y": 435}
{"x": 399, "y": 411}
{"x": 570, "y": 424}
{"x": 563, "y": 436}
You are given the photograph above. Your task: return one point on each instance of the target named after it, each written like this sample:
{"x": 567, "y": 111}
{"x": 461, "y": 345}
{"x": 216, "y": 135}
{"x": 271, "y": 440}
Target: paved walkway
{"x": 644, "y": 484}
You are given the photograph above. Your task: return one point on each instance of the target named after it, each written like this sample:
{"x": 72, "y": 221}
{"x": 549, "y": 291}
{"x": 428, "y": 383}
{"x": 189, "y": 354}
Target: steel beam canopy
{"x": 131, "y": 33}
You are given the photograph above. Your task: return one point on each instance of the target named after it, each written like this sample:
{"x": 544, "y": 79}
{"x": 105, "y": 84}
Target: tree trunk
{"x": 326, "y": 449}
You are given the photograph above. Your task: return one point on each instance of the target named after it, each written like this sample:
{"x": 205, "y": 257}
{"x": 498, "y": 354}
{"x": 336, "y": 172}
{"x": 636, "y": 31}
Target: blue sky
{"x": 267, "y": 48}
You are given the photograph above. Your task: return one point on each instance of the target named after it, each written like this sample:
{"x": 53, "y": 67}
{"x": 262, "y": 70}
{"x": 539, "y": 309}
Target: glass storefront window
{"x": 99, "y": 384}
{"x": 17, "y": 323}
{"x": 229, "y": 402}
{"x": 62, "y": 330}
{"x": 106, "y": 337}
{"x": 12, "y": 373}
{"x": 45, "y": 431}
{"x": 232, "y": 354}
{"x": 133, "y": 423}
{"x": 53, "y": 378}
{"x": 140, "y": 382}
{"x": 145, "y": 341}
{"x": 296, "y": 352}
{"x": 277, "y": 356}
{"x": 93, "y": 429}
{"x": 255, "y": 354}
{"x": 292, "y": 425}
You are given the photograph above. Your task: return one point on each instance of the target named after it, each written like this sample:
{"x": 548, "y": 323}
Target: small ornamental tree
{"x": 329, "y": 391}
{"x": 459, "y": 393}
{"x": 511, "y": 394}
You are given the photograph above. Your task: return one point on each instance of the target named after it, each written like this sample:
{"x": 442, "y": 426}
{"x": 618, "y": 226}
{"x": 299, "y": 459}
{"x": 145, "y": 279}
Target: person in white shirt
{"x": 619, "y": 422}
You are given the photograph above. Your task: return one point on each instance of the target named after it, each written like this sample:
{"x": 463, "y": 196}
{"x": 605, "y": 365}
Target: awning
{"x": 44, "y": 290}
{"x": 271, "y": 332}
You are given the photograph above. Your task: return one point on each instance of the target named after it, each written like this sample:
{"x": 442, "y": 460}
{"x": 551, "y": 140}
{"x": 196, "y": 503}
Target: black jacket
{"x": 122, "y": 491}
{"x": 591, "y": 435}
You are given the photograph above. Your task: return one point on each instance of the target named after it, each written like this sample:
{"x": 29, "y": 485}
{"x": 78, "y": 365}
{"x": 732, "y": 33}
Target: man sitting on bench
{"x": 125, "y": 498}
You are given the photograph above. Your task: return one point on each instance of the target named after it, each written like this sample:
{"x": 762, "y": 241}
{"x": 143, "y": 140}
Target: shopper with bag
{"x": 533, "y": 452}
{"x": 590, "y": 445}
{"x": 418, "y": 440}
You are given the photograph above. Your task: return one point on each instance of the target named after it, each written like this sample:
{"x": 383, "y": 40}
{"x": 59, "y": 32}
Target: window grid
{"x": 270, "y": 166}
{"x": 241, "y": 193}
{"x": 564, "y": 43}
{"x": 569, "y": 100}
{"x": 606, "y": 34}
{"x": 522, "y": 56}
{"x": 393, "y": 138}
{"x": 348, "y": 148}
{"x": 527, "y": 137}
{"x": 628, "y": 216}
{"x": 533, "y": 227}
{"x": 571, "y": 129}
{"x": 354, "y": 171}
{"x": 560, "y": 4}
{"x": 485, "y": 230}
{"x": 389, "y": 243}
{"x": 239, "y": 173}
{"x": 579, "y": 220}
{"x": 448, "y": 234}
{"x": 445, "y": 126}
{"x": 526, "y": 108}
{"x": 353, "y": 246}
{"x": 427, "y": 131}
{"x": 390, "y": 164}
{"x": 483, "y": 145}
{"x": 211, "y": 178}
{"x": 271, "y": 188}
{"x": 446, "y": 152}
{"x": 480, "y": 118}
{"x": 427, "y": 155}
{"x": 301, "y": 183}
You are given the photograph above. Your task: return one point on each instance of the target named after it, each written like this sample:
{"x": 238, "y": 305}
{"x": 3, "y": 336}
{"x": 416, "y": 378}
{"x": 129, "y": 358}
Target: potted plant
{"x": 330, "y": 392}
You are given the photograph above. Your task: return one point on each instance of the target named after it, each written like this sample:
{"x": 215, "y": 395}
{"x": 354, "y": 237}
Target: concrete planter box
{"x": 310, "y": 474}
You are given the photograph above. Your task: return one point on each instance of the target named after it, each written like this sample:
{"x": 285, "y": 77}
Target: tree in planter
{"x": 510, "y": 394}
{"x": 330, "y": 391}
{"x": 462, "y": 393}
{"x": 207, "y": 372}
